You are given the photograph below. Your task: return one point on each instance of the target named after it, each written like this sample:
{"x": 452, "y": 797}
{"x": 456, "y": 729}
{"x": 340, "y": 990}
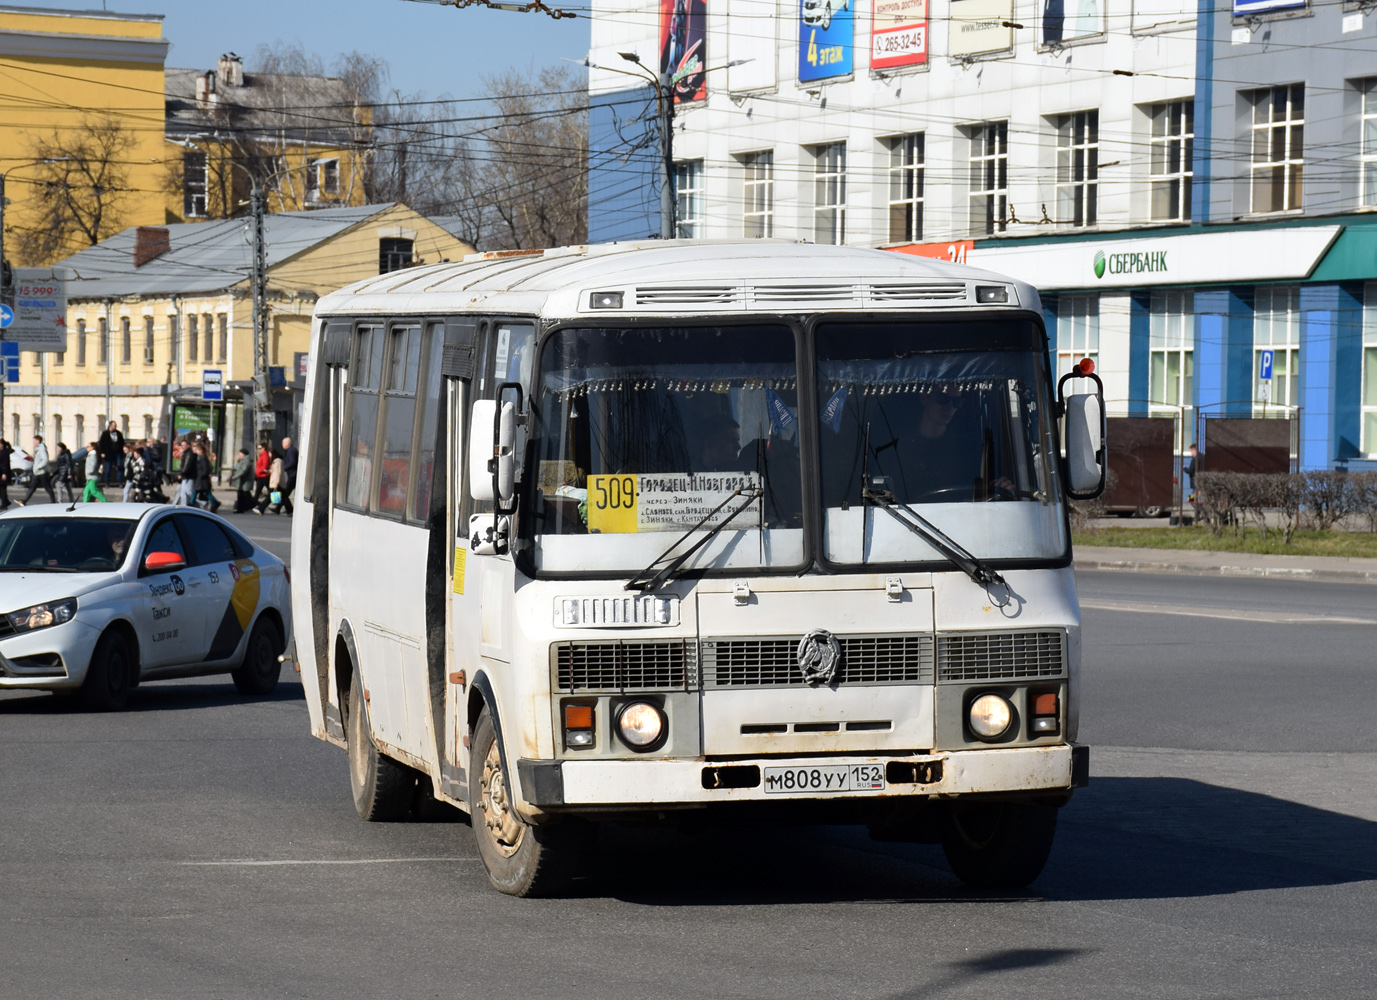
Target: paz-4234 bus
{"x": 629, "y": 532}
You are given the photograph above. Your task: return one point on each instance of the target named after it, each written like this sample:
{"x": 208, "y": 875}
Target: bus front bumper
{"x": 650, "y": 783}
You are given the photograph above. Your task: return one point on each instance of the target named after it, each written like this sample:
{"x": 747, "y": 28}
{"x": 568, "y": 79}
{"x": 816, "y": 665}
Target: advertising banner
{"x": 40, "y": 309}
{"x": 683, "y": 47}
{"x": 1065, "y": 20}
{"x": 1242, "y": 8}
{"x": 752, "y": 52}
{"x": 899, "y": 34}
{"x": 1162, "y": 15}
{"x": 979, "y": 26}
{"x": 826, "y": 37}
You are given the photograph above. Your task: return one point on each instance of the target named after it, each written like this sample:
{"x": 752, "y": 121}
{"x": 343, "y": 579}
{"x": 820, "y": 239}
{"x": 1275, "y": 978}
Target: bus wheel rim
{"x": 504, "y": 829}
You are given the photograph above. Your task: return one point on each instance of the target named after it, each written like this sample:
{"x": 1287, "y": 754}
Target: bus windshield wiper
{"x": 646, "y": 583}
{"x": 958, "y": 554}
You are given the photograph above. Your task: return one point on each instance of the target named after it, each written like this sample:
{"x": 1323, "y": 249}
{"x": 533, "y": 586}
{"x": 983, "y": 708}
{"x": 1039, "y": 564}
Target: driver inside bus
{"x": 941, "y": 459}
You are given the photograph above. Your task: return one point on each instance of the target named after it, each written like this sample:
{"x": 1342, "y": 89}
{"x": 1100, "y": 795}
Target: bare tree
{"x": 80, "y": 189}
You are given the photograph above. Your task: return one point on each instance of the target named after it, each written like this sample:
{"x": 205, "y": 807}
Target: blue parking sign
{"x": 1266, "y": 366}
{"x": 9, "y": 355}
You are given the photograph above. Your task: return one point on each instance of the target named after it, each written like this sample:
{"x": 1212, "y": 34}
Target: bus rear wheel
{"x": 522, "y": 859}
{"x": 998, "y": 845}
{"x": 382, "y": 787}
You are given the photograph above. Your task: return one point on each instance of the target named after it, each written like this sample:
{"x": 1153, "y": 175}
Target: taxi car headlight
{"x": 43, "y": 615}
{"x": 641, "y": 725}
{"x": 990, "y": 716}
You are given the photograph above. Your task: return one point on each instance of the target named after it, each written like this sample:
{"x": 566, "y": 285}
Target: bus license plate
{"x": 825, "y": 778}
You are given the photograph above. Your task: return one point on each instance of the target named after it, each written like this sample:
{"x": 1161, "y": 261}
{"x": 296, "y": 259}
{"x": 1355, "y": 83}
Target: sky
{"x": 431, "y": 49}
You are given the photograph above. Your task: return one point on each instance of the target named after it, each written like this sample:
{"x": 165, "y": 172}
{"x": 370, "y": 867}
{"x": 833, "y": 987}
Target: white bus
{"x": 742, "y": 527}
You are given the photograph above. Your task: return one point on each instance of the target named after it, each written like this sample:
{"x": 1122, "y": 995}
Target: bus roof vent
{"x": 687, "y": 295}
{"x": 774, "y": 295}
{"x": 950, "y": 291}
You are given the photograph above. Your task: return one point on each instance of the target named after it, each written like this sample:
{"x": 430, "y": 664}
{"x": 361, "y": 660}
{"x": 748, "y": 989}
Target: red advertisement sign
{"x": 899, "y": 34}
{"x": 955, "y": 252}
{"x": 683, "y": 47}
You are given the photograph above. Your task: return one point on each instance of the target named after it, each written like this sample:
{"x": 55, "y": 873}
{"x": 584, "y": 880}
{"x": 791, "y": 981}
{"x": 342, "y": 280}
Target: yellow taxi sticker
{"x": 612, "y": 503}
{"x": 460, "y": 555}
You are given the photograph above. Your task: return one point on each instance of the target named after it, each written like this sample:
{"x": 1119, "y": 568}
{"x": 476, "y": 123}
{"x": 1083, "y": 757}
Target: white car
{"x": 95, "y": 598}
{"x": 821, "y": 11}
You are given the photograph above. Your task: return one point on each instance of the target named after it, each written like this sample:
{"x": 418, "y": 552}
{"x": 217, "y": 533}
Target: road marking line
{"x": 250, "y": 863}
{"x": 1231, "y": 614}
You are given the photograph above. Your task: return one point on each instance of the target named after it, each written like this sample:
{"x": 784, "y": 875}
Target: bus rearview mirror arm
{"x": 1084, "y": 428}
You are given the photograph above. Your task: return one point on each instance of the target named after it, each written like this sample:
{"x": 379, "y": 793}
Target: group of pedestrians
{"x": 266, "y": 482}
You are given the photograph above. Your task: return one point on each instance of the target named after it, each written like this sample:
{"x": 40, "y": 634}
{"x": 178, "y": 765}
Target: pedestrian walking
{"x": 127, "y": 471}
{"x": 112, "y": 452}
{"x": 64, "y": 473}
{"x": 275, "y": 498}
{"x": 289, "y": 464}
{"x": 42, "y": 472}
{"x": 205, "y": 495}
{"x": 92, "y": 493}
{"x": 186, "y": 488}
{"x": 5, "y": 473}
{"x": 243, "y": 477}
{"x": 260, "y": 471}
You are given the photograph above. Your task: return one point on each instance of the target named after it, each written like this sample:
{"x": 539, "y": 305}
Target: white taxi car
{"x": 95, "y": 598}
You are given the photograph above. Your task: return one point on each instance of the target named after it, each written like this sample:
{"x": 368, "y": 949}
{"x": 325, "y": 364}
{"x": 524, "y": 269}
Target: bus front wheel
{"x": 998, "y": 845}
{"x": 382, "y": 787}
{"x": 522, "y": 859}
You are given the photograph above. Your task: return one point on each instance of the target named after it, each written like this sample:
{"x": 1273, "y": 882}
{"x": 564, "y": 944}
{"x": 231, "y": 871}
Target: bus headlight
{"x": 990, "y": 716}
{"x": 641, "y": 725}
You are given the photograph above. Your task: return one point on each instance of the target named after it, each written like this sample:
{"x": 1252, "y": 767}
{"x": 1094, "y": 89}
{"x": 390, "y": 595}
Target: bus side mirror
{"x": 481, "y": 449}
{"x": 492, "y": 448}
{"x": 1084, "y": 426}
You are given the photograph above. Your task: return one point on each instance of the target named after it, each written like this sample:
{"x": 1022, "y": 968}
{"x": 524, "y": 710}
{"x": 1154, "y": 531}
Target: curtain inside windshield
{"x": 651, "y": 430}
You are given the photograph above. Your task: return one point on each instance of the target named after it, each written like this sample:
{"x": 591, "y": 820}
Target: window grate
{"x": 886, "y": 659}
{"x": 1000, "y": 655}
{"x": 666, "y": 665}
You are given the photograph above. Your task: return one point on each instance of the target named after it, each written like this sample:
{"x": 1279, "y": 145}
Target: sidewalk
{"x": 1328, "y": 569}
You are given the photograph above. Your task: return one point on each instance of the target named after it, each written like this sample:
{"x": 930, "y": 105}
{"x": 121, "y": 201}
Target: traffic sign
{"x": 1264, "y": 392}
{"x": 212, "y": 384}
{"x": 9, "y": 354}
{"x": 6, "y": 316}
{"x": 1266, "y": 367}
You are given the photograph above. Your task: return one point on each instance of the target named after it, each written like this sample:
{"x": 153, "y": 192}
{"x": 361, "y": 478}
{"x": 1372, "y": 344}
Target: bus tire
{"x": 259, "y": 672}
{"x": 382, "y": 787}
{"x": 998, "y": 845}
{"x": 111, "y": 675}
{"x": 522, "y": 859}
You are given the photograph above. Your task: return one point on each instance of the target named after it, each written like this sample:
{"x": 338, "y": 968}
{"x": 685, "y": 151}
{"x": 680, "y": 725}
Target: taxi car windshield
{"x": 64, "y": 544}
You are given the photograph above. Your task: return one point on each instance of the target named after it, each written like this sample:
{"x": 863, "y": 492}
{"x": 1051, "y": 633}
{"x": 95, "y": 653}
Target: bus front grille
{"x": 989, "y": 656}
{"x": 613, "y": 665}
{"x": 866, "y": 659}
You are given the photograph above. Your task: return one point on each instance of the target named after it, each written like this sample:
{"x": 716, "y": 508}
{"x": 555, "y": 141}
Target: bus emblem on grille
{"x": 819, "y": 655}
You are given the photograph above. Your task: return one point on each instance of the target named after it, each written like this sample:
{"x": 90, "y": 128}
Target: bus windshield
{"x": 650, "y": 433}
{"x": 951, "y": 419}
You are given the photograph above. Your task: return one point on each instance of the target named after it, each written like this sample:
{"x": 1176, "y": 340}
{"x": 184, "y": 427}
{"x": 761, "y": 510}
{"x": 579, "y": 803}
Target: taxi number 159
{"x": 825, "y": 778}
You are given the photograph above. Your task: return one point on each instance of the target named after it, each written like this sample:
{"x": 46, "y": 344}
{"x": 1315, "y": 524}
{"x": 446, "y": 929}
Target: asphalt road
{"x": 202, "y": 845}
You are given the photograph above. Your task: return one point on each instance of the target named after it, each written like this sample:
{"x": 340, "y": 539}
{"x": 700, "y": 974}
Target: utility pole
{"x": 259, "y": 201}
{"x": 664, "y": 94}
{"x": 6, "y": 292}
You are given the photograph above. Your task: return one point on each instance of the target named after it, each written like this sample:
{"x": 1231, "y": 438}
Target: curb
{"x": 1194, "y": 569}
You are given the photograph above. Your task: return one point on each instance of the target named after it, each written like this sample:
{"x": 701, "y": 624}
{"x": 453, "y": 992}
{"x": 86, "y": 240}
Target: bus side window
{"x": 483, "y": 386}
{"x": 334, "y": 354}
{"x": 428, "y": 428}
{"x": 360, "y": 435}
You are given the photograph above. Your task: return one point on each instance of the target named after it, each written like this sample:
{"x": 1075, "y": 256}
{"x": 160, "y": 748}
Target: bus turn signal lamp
{"x": 1045, "y": 713}
{"x": 578, "y": 726}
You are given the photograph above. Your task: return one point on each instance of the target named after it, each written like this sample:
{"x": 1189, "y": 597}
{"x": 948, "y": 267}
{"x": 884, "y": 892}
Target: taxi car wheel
{"x": 111, "y": 675}
{"x": 522, "y": 859}
{"x": 382, "y": 787}
{"x": 261, "y": 667}
{"x": 998, "y": 845}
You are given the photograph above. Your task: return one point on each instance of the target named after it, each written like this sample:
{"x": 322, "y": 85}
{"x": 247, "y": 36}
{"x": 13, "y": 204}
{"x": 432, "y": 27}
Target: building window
{"x": 124, "y": 424}
{"x": 194, "y": 185}
{"x": 37, "y": 425}
{"x": 126, "y": 342}
{"x": 104, "y": 348}
{"x": 759, "y": 189}
{"x": 1169, "y": 160}
{"x": 174, "y": 339}
{"x": 1078, "y": 167}
{"x": 60, "y": 358}
{"x": 81, "y": 441}
{"x": 829, "y": 194}
{"x": 208, "y": 335}
{"x": 329, "y": 176}
{"x": 148, "y": 427}
{"x": 57, "y": 430}
{"x": 1369, "y": 432}
{"x": 14, "y": 422}
{"x": 223, "y": 353}
{"x": 81, "y": 342}
{"x": 989, "y": 178}
{"x": 1276, "y": 327}
{"x": 393, "y": 255}
{"x": 1078, "y": 331}
{"x": 1171, "y": 384}
{"x": 688, "y": 198}
{"x": 193, "y": 349}
{"x": 906, "y": 188}
{"x": 148, "y": 340}
{"x": 1278, "y": 148}
{"x": 1368, "y": 146}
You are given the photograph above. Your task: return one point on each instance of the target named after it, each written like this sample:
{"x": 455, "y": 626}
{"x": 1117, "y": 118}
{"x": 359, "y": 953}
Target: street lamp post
{"x": 664, "y": 113}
